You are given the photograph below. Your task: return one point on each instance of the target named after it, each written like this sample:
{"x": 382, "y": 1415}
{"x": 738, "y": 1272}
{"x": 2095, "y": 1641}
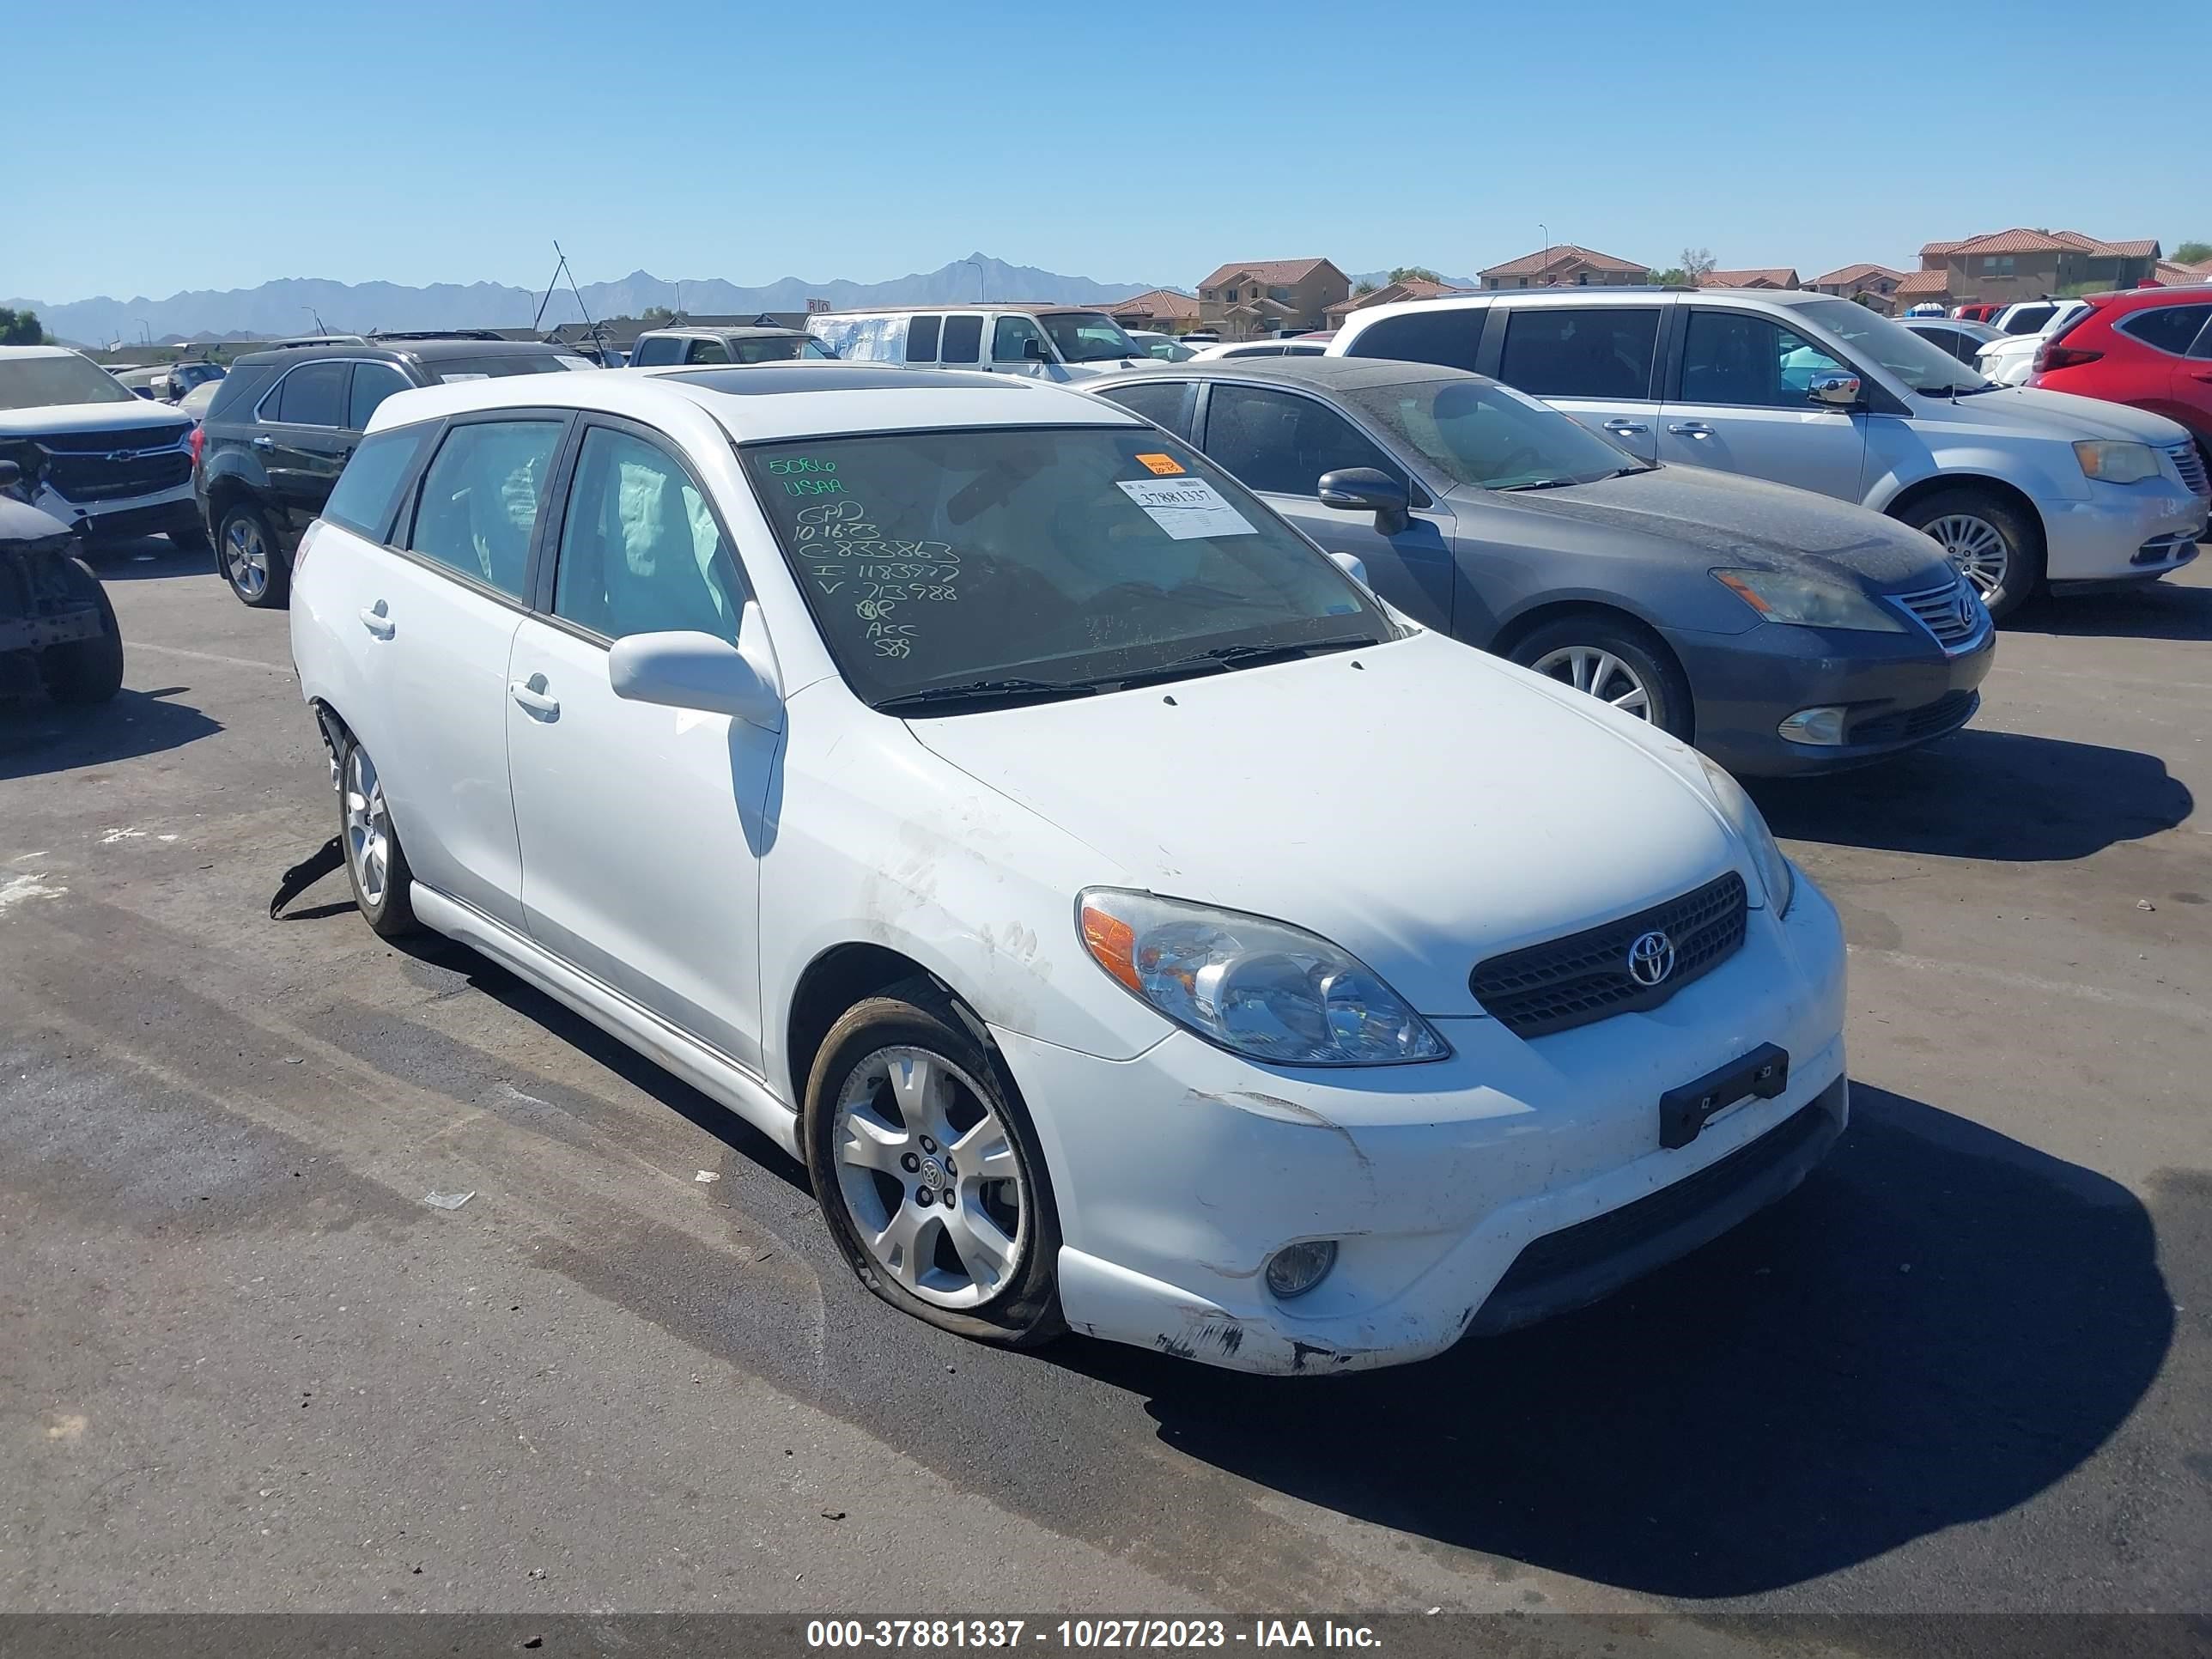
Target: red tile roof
{"x": 1530, "y": 265}
{"x": 1924, "y": 285}
{"x": 1413, "y": 288}
{"x": 1858, "y": 273}
{"x": 2017, "y": 240}
{"x": 1275, "y": 273}
{"x": 1770, "y": 276}
{"x": 1155, "y": 302}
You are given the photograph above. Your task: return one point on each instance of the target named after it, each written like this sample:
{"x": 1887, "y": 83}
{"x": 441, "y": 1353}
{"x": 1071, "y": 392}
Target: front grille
{"x": 1584, "y": 976}
{"x": 1951, "y": 613}
{"x": 102, "y": 443}
{"x": 2191, "y": 462}
{"x": 83, "y": 478}
{"x": 1946, "y": 713}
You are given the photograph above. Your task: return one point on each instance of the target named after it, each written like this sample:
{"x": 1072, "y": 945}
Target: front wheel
{"x": 85, "y": 671}
{"x": 1987, "y": 541}
{"x": 1615, "y": 661}
{"x": 927, "y": 1168}
{"x": 189, "y": 539}
{"x": 246, "y": 551}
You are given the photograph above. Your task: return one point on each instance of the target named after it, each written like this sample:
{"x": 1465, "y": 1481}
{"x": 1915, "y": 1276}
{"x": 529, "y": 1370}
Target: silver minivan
{"x": 2023, "y": 489}
{"x": 1046, "y": 341}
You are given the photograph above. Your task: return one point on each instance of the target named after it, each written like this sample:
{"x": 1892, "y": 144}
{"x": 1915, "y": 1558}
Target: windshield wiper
{"x": 1542, "y": 484}
{"x": 982, "y": 693}
{"x": 1224, "y": 658}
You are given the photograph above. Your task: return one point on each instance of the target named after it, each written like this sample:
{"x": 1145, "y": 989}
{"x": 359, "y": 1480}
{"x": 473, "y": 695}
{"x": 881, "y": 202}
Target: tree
{"x": 1414, "y": 274}
{"x": 1696, "y": 262}
{"x": 1866, "y": 299}
{"x": 1361, "y": 288}
{"x": 657, "y": 315}
{"x": 1672, "y": 277}
{"x": 2193, "y": 253}
{"x": 21, "y": 328}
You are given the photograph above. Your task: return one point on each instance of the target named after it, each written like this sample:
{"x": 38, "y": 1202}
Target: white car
{"x": 1165, "y": 347}
{"x": 107, "y": 463}
{"x": 1261, "y": 348}
{"x": 1134, "y": 926}
{"x": 2011, "y": 360}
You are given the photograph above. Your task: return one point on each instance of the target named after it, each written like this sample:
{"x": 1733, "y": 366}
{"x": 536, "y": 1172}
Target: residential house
{"x": 2005, "y": 266}
{"x": 1161, "y": 309}
{"x": 2174, "y": 274}
{"x": 1271, "y": 296}
{"x": 1921, "y": 287}
{"x": 1864, "y": 283}
{"x": 1777, "y": 277}
{"x": 1564, "y": 265}
{"x": 1413, "y": 288}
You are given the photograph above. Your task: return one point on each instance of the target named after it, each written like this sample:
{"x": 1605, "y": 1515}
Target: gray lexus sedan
{"x": 1780, "y": 631}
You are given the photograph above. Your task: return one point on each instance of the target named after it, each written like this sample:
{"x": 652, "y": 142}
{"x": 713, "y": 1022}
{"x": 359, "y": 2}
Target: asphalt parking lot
{"x": 243, "y": 1366}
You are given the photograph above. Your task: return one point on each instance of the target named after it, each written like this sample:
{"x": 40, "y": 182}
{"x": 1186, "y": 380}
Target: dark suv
{"x": 284, "y": 421}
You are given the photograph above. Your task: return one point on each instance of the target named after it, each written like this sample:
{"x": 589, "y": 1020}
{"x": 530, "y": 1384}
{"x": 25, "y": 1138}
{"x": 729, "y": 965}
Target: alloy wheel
{"x": 1595, "y": 671}
{"x": 929, "y": 1176}
{"x": 1976, "y": 549}
{"x": 247, "y": 557}
{"x": 368, "y": 828}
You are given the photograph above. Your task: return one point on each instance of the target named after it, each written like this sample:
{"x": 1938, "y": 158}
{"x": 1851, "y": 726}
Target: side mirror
{"x": 699, "y": 671}
{"x": 1033, "y": 350}
{"x": 1835, "y": 389}
{"x": 1367, "y": 489}
{"x": 1353, "y": 566}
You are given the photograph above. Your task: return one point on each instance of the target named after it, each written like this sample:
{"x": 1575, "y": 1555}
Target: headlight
{"x": 1774, "y": 872}
{"x": 1781, "y": 598}
{"x": 1259, "y": 988}
{"x": 2113, "y": 462}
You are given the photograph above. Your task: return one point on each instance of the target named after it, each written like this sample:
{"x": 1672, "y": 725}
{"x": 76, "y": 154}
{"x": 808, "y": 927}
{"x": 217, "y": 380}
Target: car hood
{"x": 88, "y": 417}
{"x": 20, "y": 525}
{"x": 1421, "y": 804}
{"x": 2057, "y": 414}
{"x": 1718, "y": 516}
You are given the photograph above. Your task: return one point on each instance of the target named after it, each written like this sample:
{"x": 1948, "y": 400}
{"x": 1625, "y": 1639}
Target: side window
{"x": 2170, "y": 328}
{"x": 1557, "y": 351}
{"x": 922, "y": 340}
{"x": 313, "y": 394}
{"x": 649, "y": 352}
{"x": 372, "y": 384}
{"x": 963, "y": 339}
{"x": 1160, "y": 402}
{"x": 1447, "y": 338}
{"x": 480, "y": 499}
{"x": 1010, "y": 338}
{"x": 1741, "y": 358}
{"x": 706, "y": 351}
{"x": 1280, "y": 442}
{"x": 368, "y": 488}
{"x": 640, "y": 551}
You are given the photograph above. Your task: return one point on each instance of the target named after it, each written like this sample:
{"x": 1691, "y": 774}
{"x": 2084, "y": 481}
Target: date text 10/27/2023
{"x": 826, "y": 1635}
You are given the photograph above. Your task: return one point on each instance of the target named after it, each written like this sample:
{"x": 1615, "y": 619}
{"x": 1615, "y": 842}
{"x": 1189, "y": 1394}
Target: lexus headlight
{"x": 1259, "y": 988}
{"x": 1780, "y": 597}
{"x": 2113, "y": 462}
{"x": 1774, "y": 872}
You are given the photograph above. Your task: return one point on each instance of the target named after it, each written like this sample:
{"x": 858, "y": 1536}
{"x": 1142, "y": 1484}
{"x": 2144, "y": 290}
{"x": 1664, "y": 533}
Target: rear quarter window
{"x": 1448, "y": 338}
{"x": 240, "y": 390}
{"x": 367, "y": 493}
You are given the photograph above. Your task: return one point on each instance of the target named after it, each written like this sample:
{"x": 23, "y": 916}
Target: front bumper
{"x": 1178, "y": 1173}
{"x": 155, "y": 514}
{"x": 1902, "y": 691}
{"x": 2102, "y": 539}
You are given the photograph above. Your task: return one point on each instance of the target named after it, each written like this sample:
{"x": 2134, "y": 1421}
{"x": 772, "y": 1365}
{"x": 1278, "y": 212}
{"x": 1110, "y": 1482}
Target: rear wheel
{"x": 247, "y": 554}
{"x": 85, "y": 671}
{"x": 1615, "y": 660}
{"x": 376, "y": 864}
{"x": 1988, "y": 541}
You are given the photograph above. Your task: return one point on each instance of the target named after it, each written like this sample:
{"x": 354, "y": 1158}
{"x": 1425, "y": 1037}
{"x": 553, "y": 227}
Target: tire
{"x": 247, "y": 554}
{"x": 375, "y": 863}
{"x": 85, "y": 671}
{"x": 1617, "y": 659}
{"x": 1009, "y": 1296}
{"x": 2006, "y": 571}
{"x": 191, "y": 540}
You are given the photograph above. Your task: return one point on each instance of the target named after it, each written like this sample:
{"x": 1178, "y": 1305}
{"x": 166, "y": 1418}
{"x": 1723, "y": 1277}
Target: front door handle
{"x": 531, "y": 694}
{"x": 377, "y": 622}
{"x": 2200, "y": 373}
{"x": 1625, "y": 426}
{"x": 263, "y": 440}
{"x": 1690, "y": 429}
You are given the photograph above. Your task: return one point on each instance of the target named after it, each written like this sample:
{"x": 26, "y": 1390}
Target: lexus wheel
{"x": 1616, "y": 662}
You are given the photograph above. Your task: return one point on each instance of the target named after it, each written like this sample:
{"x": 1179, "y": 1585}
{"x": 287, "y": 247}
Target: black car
{"x": 57, "y": 628}
{"x": 284, "y": 421}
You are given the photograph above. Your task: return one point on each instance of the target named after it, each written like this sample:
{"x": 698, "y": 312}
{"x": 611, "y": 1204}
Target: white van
{"x": 1051, "y": 342}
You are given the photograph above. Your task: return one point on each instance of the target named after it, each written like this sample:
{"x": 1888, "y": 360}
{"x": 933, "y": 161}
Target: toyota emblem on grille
{"x": 1651, "y": 958}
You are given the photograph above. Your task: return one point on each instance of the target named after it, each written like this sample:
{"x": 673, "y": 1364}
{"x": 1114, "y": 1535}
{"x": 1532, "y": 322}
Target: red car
{"x": 1977, "y": 314}
{"x": 2150, "y": 347}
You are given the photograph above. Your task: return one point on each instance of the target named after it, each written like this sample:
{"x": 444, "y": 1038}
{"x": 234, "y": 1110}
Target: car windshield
{"x": 43, "y": 382}
{"x": 1477, "y": 432}
{"x": 1088, "y": 337}
{"x": 1028, "y": 561}
{"x": 1921, "y": 364}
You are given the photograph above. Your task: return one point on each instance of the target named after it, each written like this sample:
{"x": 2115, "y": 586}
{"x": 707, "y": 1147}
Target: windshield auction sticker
{"x": 1187, "y": 508}
{"x": 1164, "y": 466}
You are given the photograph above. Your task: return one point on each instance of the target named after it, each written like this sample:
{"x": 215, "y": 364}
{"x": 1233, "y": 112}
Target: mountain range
{"x": 300, "y": 305}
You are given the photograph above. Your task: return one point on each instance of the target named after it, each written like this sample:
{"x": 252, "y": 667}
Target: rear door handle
{"x": 1690, "y": 429}
{"x": 263, "y": 440}
{"x": 531, "y": 694}
{"x": 377, "y": 622}
{"x": 1625, "y": 426}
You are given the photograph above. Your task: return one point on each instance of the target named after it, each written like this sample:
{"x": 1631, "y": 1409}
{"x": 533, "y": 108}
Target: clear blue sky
{"x": 167, "y": 144}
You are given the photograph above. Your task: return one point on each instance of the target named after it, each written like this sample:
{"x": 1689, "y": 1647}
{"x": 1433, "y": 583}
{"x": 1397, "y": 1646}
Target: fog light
{"x": 1297, "y": 1269}
{"x": 1821, "y": 726}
